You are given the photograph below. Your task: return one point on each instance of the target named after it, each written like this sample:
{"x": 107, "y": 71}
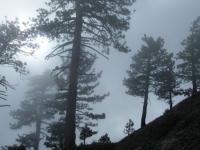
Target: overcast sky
{"x": 169, "y": 19}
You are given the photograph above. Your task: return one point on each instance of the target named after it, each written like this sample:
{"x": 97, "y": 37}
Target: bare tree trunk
{"x": 71, "y": 99}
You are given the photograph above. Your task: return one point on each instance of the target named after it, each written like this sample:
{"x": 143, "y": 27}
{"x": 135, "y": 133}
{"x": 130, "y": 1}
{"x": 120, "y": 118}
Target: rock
{"x": 170, "y": 144}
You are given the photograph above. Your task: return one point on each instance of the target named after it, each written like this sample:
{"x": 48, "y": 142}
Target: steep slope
{"x": 177, "y": 129}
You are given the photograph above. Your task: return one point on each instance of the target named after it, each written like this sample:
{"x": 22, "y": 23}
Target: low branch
{"x": 4, "y": 105}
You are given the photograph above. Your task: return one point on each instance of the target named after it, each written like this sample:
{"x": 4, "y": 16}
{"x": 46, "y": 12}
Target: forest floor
{"x": 176, "y": 129}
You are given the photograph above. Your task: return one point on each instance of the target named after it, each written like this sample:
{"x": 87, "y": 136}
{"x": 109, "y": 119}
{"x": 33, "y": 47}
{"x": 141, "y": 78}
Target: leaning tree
{"x": 80, "y": 24}
{"x": 146, "y": 64}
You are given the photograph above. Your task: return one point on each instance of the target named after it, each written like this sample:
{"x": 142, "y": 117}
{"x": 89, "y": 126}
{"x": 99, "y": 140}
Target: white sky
{"x": 169, "y": 19}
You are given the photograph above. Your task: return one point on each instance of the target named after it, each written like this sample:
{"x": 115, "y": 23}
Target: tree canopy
{"x": 146, "y": 64}
{"x": 14, "y": 41}
{"x": 189, "y": 69}
{"x": 81, "y": 24}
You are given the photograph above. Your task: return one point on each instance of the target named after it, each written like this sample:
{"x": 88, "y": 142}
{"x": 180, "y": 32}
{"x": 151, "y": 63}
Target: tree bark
{"x": 39, "y": 122}
{"x": 144, "y": 112}
{"x": 73, "y": 77}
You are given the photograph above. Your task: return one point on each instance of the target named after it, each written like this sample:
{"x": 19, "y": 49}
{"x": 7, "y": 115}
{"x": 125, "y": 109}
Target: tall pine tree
{"x": 87, "y": 82}
{"x": 189, "y": 69}
{"x": 80, "y": 24}
{"x": 146, "y": 64}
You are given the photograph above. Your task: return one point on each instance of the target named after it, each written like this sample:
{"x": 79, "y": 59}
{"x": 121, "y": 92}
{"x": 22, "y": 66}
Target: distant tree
{"x": 146, "y": 64}
{"x": 80, "y": 24}
{"x": 86, "y": 132}
{"x": 129, "y": 127}
{"x": 32, "y": 109}
{"x": 189, "y": 69}
{"x": 104, "y": 139}
{"x": 14, "y": 42}
{"x": 167, "y": 83}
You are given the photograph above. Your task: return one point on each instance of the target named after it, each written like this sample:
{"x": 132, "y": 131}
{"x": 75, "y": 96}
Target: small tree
{"x": 104, "y": 139}
{"x": 86, "y": 132}
{"x": 129, "y": 127}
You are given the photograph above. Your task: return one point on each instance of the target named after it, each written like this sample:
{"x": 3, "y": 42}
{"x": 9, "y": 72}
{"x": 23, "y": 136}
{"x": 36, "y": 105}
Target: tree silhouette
{"x": 86, "y": 132}
{"x": 167, "y": 83}
{"x": 87, "y": 82}
{"x": 104, "y": 139}
{"x": 32, "y": 109}
{"x": 79, "y": 24}
{"x": 57, "y": 136}
{"x": 189, "y": 69}
{"x": 129, "y": 127}
{"x": 14, "y": 42}
{"x": 145, "y": 66}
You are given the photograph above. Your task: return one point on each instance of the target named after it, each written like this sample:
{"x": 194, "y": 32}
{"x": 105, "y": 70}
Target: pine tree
{"x": 32, "y": 109}
{"x": 57, "y": 136}
{"x": 104, "y": 139}
{"x": 87, "y": 82}
{"x": 79, "y": 24}
{"x": 86, "y": 132}
{"x": 167, "y": 83}
{"x": 189, "y": 69}
{"x": 129, "y": 127}
{"x": 14, "y": 42}
{"x": 146, "y": 64}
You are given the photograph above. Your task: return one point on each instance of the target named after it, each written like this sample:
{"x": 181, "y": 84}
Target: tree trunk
{"x": 144, "y": 112}
{"x": 194, "y": 90}
{"x": 73, "y": 77}
{"x": 37, "y": 138}
{"x": 38, "y": 122}
{"x": 170, "y": 100}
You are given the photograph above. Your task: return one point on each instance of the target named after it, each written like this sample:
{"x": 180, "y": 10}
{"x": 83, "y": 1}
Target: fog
{"x": 168, "y": 19}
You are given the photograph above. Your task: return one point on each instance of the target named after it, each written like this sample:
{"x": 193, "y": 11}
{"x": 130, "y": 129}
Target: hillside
{"x": 178, "y": 129}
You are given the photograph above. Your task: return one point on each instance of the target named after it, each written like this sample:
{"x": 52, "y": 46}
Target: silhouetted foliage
{"x": 57, "y": 136}
{"x": 146, "y": 64}
{"x": 14, "y": 147}
{"x": 32, "y": 109}
{"x": 104, "y": 139}
{"x": 14, "y": 42}
{"x": 79, "y": 24}
{"x": 129, "y": 127}
{"x": 87, "y": 82}
{"x": 167, "y": 83}
{"x": 189, "y": 69}
{"x": 86, "y": 132}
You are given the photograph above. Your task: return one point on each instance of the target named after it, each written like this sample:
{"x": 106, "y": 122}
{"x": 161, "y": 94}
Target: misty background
{"x": 169, "y": 19}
